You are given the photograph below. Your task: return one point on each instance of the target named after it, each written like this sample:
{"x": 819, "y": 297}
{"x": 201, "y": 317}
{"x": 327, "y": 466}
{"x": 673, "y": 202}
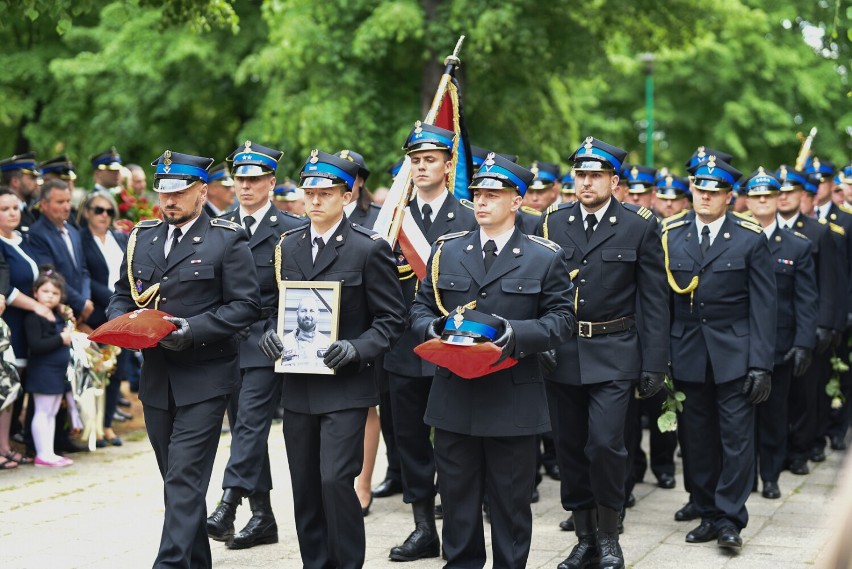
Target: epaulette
{"x": 645, "y": 213}
{"x": 674, "y": 217}
{"x": 747, "y": 216}
{"x": 846, "y": 208}
{"x": 801, "y": 235}
{"x": 219, "y": 222}
{"x": 449, "y": 236}
{"x": 466, "y": 203}
{"x": 145, "y": 224}
{"x": 837, "y": 228}
{"x": 291, "y": 215}
{"x": 542, "y": 241}
{"x": 294, "y": 230}
{"x": 552, "y": 208}
{"x": 675, "y": 224}
{"x": 748, "y": 224}
{"x": 530, "y": 210}
{"x": 368, "y": 232}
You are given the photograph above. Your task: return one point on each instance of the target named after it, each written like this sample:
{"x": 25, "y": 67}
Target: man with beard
{"x": 201, "y": 272}
{"x": 305, "y": 345}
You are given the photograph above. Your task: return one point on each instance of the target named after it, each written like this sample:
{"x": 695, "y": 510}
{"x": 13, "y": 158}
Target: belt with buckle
{"x": 589, "y": 329}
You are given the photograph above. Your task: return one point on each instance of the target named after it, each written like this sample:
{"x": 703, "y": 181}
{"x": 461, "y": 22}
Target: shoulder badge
{"x": 368, "y": 232}
{"x": 675, "y": 224}
{"x": 675, "y": 217}
{"x": 219, "y": 222}
{"x": 846, "y": 208}
{"x": 748, "y": 224}
{"x": 542, "y": 241}
{"x": 746, "y": 216}
{"x": 149, "y": 223}
{"x": 294, "y": 230}
{"x": 449, "y": 236}
{"x": 530, "y": 210}
{"x": 837, "y": 228}
{"x": 466, "y": 203}
{"x": 645, "y": 213}
{"x": 552, "y": 208}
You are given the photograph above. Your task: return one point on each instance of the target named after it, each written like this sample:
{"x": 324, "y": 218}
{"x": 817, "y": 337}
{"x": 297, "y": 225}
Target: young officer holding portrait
{"x": 486, "y": 427}
{"x": 325, "y": 415}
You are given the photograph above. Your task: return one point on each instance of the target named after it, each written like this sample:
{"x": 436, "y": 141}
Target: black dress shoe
{"x": 567, "y": 525}
{"x": 838, "y": 442}
{"x": 687, "y": 513}
{"x": 799, "y": 466}
{"x": 387, "y": 488}
{"x": 666, "y": 480}
{"x": 730, "y": 538}
{"x": 261, "y": 528}
{"x": 817, "y": 455}
{"x": 705, "y": 532}
{"x": 553, "y": 471}
{"x": 631, "y": 501}
{"x": 771, "y": 490}
{"x": 122, "y": 402}
{"x": 423, "y": 542}
{"x": 220, "y": 524}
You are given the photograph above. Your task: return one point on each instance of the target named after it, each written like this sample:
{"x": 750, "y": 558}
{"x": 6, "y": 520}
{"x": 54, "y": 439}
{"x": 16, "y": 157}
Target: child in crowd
{"x": 48, "y": 364}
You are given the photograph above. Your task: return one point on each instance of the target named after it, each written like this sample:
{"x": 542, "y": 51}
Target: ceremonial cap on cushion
{"x": 142, "y": 328}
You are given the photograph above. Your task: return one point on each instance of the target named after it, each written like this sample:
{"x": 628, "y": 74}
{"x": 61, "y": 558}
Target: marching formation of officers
{"x": 592, "y": 292}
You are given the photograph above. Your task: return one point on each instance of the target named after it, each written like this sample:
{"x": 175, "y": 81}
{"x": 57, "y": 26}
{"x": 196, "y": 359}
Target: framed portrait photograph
{"x": 308, "y": 313}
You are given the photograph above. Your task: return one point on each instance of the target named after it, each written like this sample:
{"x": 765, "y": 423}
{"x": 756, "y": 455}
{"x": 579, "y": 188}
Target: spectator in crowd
{"x": 19, "y": 174}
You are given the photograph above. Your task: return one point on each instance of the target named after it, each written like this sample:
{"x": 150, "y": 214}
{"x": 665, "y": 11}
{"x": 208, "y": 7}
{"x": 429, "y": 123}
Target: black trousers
{"x": 466, "y": 466}
{"x": 409, "y": 396}
{"x": 386, "y": 420}
{"x": 809, "y": 406}
{"x": 325, "y": 453}
{"x": 248, "y": 467}
{"x": 588, "y": 425}
{"x": 185, "y": 440}
{"x": 771, "y": 424}
{"x": 662, "y": 445}
{"x": 717, "y": 429}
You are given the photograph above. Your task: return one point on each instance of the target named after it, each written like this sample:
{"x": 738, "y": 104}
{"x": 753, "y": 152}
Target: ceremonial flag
{"x": 451, "y": 117}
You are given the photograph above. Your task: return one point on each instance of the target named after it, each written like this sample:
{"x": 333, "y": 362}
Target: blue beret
{"x": 253, "y": 159}
{"x": 107, "y": 160}
{"x": 499, "y": 173}
{"x": 429, "y": 137}
{"x": 596, "y": 155}
{"x": 713, "y": 174}
{"x": 323, "y": 170}
{"x": 176, "y": 171}
{"x": 24, "y": 162}
{"x": 762, "y": 183}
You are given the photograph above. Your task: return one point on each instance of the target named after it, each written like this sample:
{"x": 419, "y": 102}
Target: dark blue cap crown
{"x": 220, "y": 173}
{"x": 323, "y": 170}
{"x": 702, "y": 153}
{"x": 596, "y": 155}
{"x": 714, "y": 174}
{"x": 397, "y": 166}
{"x": 824, "y": 168}
{"x": 177, "y": 171}
{"x": 498, "y": 173}
{"x": 468, "y": 326}
{"x": 479, "y": 154}
{"x": 252, "y": 159}
{"x": 761, "y": 183}
{"x": 671, "y": 187}
{"x": 107, "y": 160}
{"x": 24, "y": 162}
{"x": 790, "y": 178}
{"x": 429, "y": 137}
{"x": 567, "y": 184}
{"x": 60, "y": 166}
{"x": 845, "y": 175}
{"x": 640, "y": 178}
{"x": 353, "y": 156}
{"x": 546, "y": 174}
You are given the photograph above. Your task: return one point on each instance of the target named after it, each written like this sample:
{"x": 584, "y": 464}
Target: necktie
{"x": 320, "y": 245}
{"x": 591, "y": 221}
{"x": 69, "y": 245}
{"x": 490, "y": 249}
{"x": 248, "y": 221}
{"x": 427, "y": 217}
{"x": 175, "y": 240}
{"x": 705, "y": 239}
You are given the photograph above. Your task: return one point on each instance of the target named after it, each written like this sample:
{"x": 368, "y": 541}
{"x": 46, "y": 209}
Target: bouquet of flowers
{"x": 133, "y": 208}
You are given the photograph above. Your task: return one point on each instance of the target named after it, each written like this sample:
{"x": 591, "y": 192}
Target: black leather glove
{"x": 824, "y": 337}
{"x": 506, "y": 341}
{"x": 801, "y": 358}
{"x": 270, "y": 344}
{"x": 242, "y": 335}
{"x": 436, "y": 328}
{"x": 180, "y": 339}
{"x": 757, "y": 386}
{"x": 650, "y": 383}
{"x": 339, "y": 354}
{"x": 548, "y": 361}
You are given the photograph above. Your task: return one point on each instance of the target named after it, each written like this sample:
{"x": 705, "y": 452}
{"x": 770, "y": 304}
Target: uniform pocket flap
{"x": 681, "y": 264}
{"x": 520, "y": 286}
{"x": 346, "y": 278}
{"x": 735, "y": 264}
{"x": 453, "y": 282}
{"x": 143, "y": 272}
{"x": 616, "y": 255}
{"x": 197, "y": 273}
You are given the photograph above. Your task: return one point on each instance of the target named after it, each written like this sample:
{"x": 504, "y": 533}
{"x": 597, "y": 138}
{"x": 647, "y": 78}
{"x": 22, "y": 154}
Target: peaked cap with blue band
{"x": 471, "y": 327}
{"x": 499, "y": 173}
{"x": 287, "y": 191}
{"x": 353, "y": 156}
{"x": 479, "y": 154}
{"x": 220, "y": 173}
{"x": 429, "y": 137}
{"x": 791, "y": 179}
{"x": 546, "y": 174}
{"x": 252, "y": 159}
{"x": 702, "y": 153}
{"x": 60, "y": 166}
{"x": 24, "y": 162}
{"x": 714, "y": 175}
{"x": 176, "y": 171}
{"x": 824, "y": 169}
{"x": 106, "y": 160}
{"x": 640, "y": 179}
{"x": 671, "y": 187}
{"x": 761, "y": 183}
{"x": 323, "y": 170}
{"x": 596, "y": 155}
{"x": 567, "y": 184}
{"x": 397, "y": 166}
{"x": 845, "y": 175}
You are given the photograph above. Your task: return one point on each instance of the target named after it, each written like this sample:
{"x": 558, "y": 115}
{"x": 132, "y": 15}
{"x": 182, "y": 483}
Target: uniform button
{"x": 139, "y": 272}
{"x": 165, "y": 278}
{"x": 729, "y": 264}
{"x": 679, "y": 265}
{"x": 582, "y": 301}
{"x": 270, "y": 260}
{"x": 522, "y": 354}
{"x": 704, "y": 321}
{"x": 701, "y": 304}
{"x": 619, "y": 256}
{"x": 585, "y": 261}
{"x": 163, "y": 300}
{"x": 520, "y": 288}
{"x": 452, "y": 284}
{"x": 702, "y": 271}
{"x": 582, "y": 281}
{"x": 196, "y": 273}
{"x": 483, "y": 294}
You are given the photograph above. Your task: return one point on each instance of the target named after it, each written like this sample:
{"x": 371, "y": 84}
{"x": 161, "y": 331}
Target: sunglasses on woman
{"x": 98, "y": 210}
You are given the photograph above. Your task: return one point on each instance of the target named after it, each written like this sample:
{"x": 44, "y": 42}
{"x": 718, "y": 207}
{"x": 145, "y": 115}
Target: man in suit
{"x": 722, "y": 347}
{"x": 200, "y": 271}
{"x": 325, "y": 415}
{"x": 616, "y": 263}
{"x": 258, "y": 390}
{"x": 220, "y": 191}
{"x": 436, "y": 212}
{"x": 53, "y": 241}
{"x": 486, "y": 428}
{"x": 828, "y": 244}
{"x": 795, "y": 280}
{"x": 20, "y": 174}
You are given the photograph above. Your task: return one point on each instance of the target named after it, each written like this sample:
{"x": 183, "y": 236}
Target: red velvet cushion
{"x": 142, "y": 328}
{"x": 468, "y": 362}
